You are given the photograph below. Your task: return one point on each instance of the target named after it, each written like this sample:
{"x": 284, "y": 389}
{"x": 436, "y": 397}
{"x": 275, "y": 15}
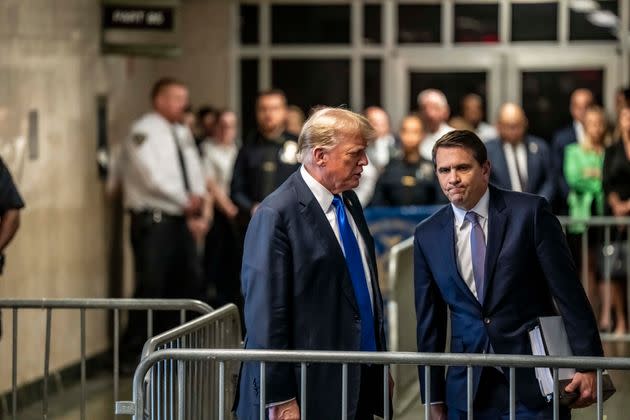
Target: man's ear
{"x": 320, "y": 157}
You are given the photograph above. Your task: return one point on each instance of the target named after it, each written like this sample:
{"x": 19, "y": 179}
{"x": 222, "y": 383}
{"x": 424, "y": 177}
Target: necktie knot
{"x": 337, "y": 203}
{"x": 472, "y": 218}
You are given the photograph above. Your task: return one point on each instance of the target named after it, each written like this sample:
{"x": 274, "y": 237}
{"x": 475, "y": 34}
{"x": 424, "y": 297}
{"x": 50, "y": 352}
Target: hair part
{"x": 326, "y": 126}
{"x": 464, "y": 139}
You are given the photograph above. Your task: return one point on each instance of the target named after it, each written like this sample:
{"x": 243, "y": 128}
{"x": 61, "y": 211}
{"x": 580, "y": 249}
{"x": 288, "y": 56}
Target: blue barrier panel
{"x": 391, "y": 225}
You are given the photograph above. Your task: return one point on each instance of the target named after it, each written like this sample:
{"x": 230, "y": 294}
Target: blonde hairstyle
{"x": 325, "y": 126}
{"x": 596, "y": 109}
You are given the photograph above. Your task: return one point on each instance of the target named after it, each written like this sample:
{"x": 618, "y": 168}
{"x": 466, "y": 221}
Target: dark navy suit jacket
{"x": 299, "y": 296}
{"x": 528, "y": 267}
{"x": 539, "y": 174}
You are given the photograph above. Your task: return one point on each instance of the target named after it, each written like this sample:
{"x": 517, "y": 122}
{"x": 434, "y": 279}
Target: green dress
{"x": 585, "y": 192}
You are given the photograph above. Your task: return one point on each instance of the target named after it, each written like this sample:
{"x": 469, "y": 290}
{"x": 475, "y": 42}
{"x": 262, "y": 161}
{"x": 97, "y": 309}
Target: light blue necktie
{"x": 478, "y": 252}
{"x": 357, "y": 274}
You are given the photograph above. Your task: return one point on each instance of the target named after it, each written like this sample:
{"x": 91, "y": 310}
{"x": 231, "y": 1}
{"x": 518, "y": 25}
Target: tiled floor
{"x": 101, "y": 403}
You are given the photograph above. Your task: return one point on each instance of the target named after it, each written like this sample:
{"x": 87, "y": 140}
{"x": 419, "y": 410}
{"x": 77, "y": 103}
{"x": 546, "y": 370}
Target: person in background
{"x": 295, "y": 120}
{"x": 581, "y": 99}
{"x": 165, "y": 193}
{"x": 434, "y": 113}
{"x": 520, "y": 162}
{"x": 583, "y": 165}
{"x": 379, "y": 154}
{"x": 622, "y": 96}
{"x": 268, "y": 156}
{"x": 222, "y": 252}
{"x": 11, "y": 204}
{"x": 189, "y": 119}
{"x": 616, "y": 186}
{"x": 207, "y": 116}
{"x": 408, "y": 180}
{"x": 472, "y": 118}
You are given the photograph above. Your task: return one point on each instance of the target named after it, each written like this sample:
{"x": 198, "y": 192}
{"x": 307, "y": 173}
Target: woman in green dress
{"x": 583, "y": 167}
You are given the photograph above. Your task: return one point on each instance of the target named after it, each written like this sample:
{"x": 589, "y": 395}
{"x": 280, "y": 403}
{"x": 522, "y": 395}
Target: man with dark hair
{"x": 10, "y": 205}
{"x": 498, "y": 260}
{"x": 268, "y": 156}
{"x": 165, "y": 193}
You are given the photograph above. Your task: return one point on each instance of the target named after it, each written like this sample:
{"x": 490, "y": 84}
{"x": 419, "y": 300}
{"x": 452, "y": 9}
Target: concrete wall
{"x": 50, "y": 62}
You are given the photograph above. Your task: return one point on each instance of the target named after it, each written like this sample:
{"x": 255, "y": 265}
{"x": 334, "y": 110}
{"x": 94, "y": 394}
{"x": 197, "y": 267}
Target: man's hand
{"x": 193, "y": 206}
{"x": 286, "y": 411}
{"x": 585, "y": 384}
{"x": 438, "y": 411}
{"x": 198, "y": 227}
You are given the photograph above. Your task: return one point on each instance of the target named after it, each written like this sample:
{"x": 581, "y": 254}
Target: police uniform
{"x": 261, "y": 166}
{"x": 406, "y": 183}
{"x": 10, "y": 199}
{"x": 160, "y": 168}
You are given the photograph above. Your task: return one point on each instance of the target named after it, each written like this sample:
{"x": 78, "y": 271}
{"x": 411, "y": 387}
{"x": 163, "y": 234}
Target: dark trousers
{"x": 222, "y": 263}
{"x": 167, "y": 266}
{"x": 492, "y": 402}
{"x": 371, "y": 393}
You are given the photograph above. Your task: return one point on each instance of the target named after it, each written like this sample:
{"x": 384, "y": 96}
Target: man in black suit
{"x": 309, "y": 279}
{"x": 581, "y": 99}
{"x": 520, "y": 162}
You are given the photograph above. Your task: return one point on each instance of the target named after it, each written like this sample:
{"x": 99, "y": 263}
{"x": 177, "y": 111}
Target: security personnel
{"x": 410, "y": 180}
{"x": 10, "y": 205}
{"x": 269, "y": 155}
{"x": 164, "y": 191}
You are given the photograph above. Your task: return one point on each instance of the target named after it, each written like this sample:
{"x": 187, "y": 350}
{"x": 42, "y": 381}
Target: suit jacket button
{"x": 486, "y": 321}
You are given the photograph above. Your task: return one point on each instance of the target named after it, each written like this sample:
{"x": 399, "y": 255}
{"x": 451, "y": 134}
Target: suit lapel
{"x": 501, "y": 167}
{"x": 533, "y": 163}
{"x": 497, "y": 222}
{"x": 315, "y": 217}
{"x": 447, "y": 242}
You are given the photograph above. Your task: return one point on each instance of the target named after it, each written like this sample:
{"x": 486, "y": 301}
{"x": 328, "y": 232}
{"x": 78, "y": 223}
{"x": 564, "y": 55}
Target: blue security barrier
{"x": 391, "y": 225}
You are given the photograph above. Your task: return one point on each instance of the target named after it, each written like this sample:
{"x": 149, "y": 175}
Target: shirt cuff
{"x": 278, "y": 403}
{"x": 436, "y": 402}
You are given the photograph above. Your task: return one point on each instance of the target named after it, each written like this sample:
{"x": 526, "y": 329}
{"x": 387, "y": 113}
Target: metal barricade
{"x": 186, "y": 357}
{"x": 82, "y": 306}
{"x": 608, "y": 225}
{"x": 190, "y": 389}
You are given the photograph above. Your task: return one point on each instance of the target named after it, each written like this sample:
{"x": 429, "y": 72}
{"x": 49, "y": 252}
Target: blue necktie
{"x": 357, "y": 274}
{"x": 478, "y": 252}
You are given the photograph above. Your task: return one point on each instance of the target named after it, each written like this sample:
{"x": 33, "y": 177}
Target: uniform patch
{"x": 139, "y": 138}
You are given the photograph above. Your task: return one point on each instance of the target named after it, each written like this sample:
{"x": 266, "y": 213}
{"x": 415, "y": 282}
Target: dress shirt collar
{"x": 481, "y": 208}
{"x": 321, "y": 193}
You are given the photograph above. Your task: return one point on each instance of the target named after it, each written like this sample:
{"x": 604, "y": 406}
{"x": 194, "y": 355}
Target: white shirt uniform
{"x": 462, "y": 238}
{"x": 380, "y": 151}
{"x": 150, "y": 167}
{"x": 218, "y": 162}
{"x": 426, "y": 146}
{"x": 486, "y": 132}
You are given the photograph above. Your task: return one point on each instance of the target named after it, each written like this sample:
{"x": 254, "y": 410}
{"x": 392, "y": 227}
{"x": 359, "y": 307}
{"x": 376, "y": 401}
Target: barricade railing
{"x": 605, "y": 253}
{"x": 196, "y": 384}
{"x": 143, "y": 379}
{"x": 82, "y": 305}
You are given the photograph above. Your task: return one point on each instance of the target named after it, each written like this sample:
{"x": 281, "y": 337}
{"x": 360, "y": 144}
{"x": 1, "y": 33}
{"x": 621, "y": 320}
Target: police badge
{"x": 288, "y": 154}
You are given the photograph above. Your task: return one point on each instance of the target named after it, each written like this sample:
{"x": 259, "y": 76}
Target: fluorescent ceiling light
{"x": 603, "y": 18}
{"x": 584, "y": 6}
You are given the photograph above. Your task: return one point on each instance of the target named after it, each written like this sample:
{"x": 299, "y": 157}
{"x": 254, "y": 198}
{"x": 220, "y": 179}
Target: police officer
{"x": 269, "y": 155}
{"x": 10, "y": 205}
{"x": 164, "y": 191}
{"x": 409, "y": 180}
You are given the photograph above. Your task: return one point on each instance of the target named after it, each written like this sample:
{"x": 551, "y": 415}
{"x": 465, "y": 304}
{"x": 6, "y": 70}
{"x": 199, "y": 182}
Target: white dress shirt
{"x": 426, "y": 146}
{"x": 486, "y": 132}
{"x": 325, "y": 198}
{"x": 151, "y": 171}
{"x": 521, "y": 157}
{"x": 579, "y": 131}
{"x": 462, "y": 238}
{"x": 218, "y": 161}
{"x": 379, "y": 151}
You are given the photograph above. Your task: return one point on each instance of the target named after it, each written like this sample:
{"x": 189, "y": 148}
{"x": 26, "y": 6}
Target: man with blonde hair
{"x": 309, "y": 279}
